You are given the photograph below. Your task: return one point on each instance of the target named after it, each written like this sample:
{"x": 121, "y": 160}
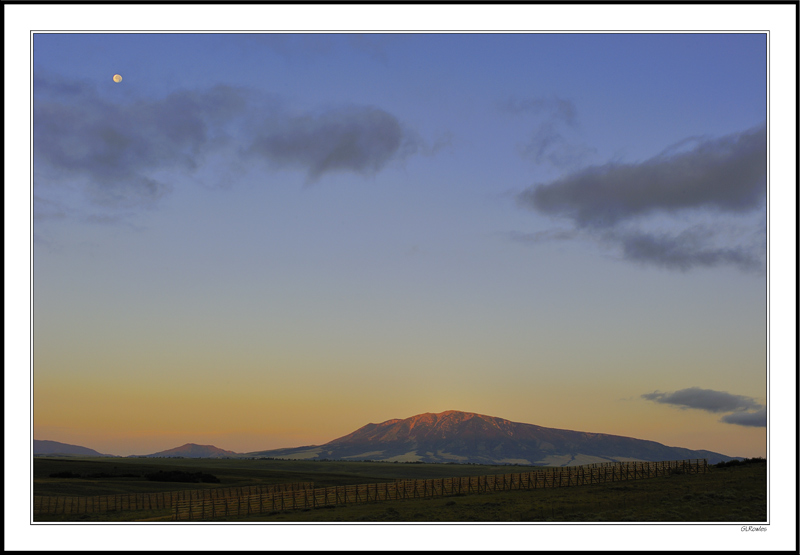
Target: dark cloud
{"x": 687, "y": 249}
{"x": 120, "y": 150}
{"x": 358, "y": 139}
{"x": 727, "y": 174}
{"x": 743, "y": 411}
{"x": 757, "y": 419}
{"x": 704, "y": 399}
{"x": 115, "y": 147}
{"x": 690, "y": 181}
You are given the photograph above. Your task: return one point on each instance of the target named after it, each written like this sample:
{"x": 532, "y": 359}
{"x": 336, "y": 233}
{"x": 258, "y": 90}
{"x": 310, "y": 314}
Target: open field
{"x": 231, "y": 472}
{"x": 734, "y": 494}
{"x": 721, "y": 495}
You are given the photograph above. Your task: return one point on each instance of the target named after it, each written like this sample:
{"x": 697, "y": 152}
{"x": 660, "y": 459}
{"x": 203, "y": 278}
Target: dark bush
{"x": 65, "y": 474}
{"x": 107, "y": 475}
{"x": 737, "y": 462}
{"x": 181, "y": 476}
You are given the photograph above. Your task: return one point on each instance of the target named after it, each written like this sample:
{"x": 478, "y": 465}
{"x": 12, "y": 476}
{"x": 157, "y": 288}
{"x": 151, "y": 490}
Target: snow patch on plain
{"x": 369, "y": 454}
{"x": 411, "y": 456}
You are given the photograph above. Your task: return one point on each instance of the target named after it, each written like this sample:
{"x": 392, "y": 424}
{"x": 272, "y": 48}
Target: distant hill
{"x": 465, "y": 437}
{"x": 194, "y": 451}
{"x": 45, "y": 447}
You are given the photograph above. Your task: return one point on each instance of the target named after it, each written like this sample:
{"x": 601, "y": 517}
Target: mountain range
{"x": 452, "y": 437}
{"x": 46, "y": 447}
{"x": 466, "y": 437}
{"x": 194, "y": 451}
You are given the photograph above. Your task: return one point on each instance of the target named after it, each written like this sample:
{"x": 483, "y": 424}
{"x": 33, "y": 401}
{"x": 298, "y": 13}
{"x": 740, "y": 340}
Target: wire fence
{"x": 43, "y": 504}
{"x": 597, "y": 473}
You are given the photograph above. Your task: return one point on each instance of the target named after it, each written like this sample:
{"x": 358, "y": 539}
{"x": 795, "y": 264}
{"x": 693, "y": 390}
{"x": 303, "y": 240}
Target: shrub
{"x": 737, "y": 462}
{"x": 107, "y": 475}
{"x": 181, "y": 476}
{"x": 65, "y": 474}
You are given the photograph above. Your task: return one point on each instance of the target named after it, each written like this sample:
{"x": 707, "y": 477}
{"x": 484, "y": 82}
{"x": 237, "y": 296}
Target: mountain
{"x": 466, "y": 437}
{"x": 194, "y": 451}
{"x": 45, "y": 447}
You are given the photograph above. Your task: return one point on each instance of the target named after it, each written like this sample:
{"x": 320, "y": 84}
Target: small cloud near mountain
{"x": 743, "y": 410}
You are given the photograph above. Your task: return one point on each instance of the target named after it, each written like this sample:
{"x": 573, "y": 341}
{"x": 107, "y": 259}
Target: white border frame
{"x": 778, "y": 19}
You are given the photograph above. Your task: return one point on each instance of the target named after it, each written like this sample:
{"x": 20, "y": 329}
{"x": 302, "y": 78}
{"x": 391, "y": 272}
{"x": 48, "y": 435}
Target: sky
{"x": 260, "y": 241}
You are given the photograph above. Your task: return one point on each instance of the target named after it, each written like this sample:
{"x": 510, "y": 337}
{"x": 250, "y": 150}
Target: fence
{"x": 597, "y": 473}
{"x": 146, "y": 501}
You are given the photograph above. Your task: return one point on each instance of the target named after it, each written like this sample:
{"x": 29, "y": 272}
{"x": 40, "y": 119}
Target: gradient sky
{"x": 264, "y": 241}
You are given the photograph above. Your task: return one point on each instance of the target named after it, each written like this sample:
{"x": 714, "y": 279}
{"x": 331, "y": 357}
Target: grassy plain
{"x": 232, "y": 473}
{"x": 734, "y": 494}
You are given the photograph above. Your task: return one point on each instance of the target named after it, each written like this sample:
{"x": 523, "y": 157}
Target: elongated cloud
{"x": 757, "y": 419}
{"x": 727, "y": 174}
{"x": 360, "y": 140}
{"x": 744, "y": 411}
{"x": 688, "y": 248}
{"x": 120, "y": 149}
{"x": 704, "y": 399}
{"x": 718, "y": 179}
{"x": 116, "y": 147}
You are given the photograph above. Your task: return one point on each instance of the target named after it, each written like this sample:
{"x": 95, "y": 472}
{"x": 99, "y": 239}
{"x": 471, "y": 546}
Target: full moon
{"x": 117, "y": 78}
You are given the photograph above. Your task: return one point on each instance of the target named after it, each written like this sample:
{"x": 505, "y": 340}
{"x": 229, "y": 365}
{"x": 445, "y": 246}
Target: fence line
{"x": 408, "y": 489}
{"x": 43, "y": 504}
